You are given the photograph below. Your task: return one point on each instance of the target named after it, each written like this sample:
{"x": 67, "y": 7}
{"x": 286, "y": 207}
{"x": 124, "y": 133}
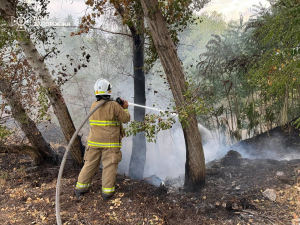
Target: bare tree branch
{"x": 94, "y": 28}
{"x": 121, "y": 11}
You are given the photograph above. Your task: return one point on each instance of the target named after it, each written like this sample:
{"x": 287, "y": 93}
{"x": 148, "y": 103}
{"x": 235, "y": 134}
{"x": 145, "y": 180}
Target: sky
{"x": 230, "y": 8}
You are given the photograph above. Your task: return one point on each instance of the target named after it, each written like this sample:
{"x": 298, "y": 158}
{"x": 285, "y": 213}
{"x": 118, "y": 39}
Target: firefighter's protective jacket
{"x": 106, "y": 127}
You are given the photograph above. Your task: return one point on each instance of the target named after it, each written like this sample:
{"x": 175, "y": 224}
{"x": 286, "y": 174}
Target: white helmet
{"x": 102, "y": 87}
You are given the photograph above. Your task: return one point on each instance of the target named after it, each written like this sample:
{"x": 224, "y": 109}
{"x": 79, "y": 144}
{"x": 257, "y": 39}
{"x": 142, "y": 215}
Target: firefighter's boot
{"x": 80, "y": 193}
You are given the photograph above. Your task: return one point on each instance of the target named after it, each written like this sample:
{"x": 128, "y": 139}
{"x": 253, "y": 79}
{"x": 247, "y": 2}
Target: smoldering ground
{"x": 166, "y": 158}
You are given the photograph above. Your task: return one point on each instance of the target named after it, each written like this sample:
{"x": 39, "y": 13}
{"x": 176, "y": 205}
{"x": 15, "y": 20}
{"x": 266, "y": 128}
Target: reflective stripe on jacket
{"x": 104, "y": 145}
{"x": 105, "y": 125}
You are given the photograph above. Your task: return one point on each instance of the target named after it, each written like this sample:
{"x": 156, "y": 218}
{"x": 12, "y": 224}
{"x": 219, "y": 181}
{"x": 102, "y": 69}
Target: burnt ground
{"x": 233, "y": 194}
{"x": 280, "y": 142}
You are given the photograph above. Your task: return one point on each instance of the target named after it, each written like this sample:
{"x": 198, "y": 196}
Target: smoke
{"x": 279, "y": 146}
{"x": 167, "y": 157}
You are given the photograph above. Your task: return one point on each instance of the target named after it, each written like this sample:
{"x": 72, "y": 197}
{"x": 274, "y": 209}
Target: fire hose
{"x": 57, "y": 203}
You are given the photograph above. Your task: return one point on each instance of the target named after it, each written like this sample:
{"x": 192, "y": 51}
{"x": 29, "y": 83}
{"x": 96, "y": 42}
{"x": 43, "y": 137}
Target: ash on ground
{"x": 235, "y": 175}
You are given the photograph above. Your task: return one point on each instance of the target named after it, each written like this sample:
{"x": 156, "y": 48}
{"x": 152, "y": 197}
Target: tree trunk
{"x": 55, "y": 96}
{"x": 195, "y": 163}
{"x": 31, "y": 151}
{"x": 27, "y": 125}
{"x": 53, "y": 92}
{"x": 138, "y": 155}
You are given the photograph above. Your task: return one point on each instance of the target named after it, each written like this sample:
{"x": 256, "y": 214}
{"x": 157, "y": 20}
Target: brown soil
{"x": 233, "y": 195}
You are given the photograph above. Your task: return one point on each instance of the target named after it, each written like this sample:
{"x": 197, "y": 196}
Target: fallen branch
{"x": 31, "y": 151}
{"x": 271, "y": 219}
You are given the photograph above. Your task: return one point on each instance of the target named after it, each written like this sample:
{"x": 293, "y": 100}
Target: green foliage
{"x": 7, "y": 35}
{"x": 4, "y": 133}
{"x": 252, "y": 116}
{"x": 250, "y": 73}
{"x": 194, "y": 104}
{"x": 297, "y": 123}
{"x": 222, "y": 69}
{"x": 278, "y": 25}
{"x": 278, "y": 32}
{"x": 151, "y": 125}
{"x": 44, "y": 104}
{"x": 277, "y": 72}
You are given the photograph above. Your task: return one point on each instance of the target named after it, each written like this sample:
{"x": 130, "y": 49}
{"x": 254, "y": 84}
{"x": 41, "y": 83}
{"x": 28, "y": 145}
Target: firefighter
{"x": 104, "y": 142}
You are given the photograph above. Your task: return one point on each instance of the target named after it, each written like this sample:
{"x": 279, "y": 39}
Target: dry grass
{"x": 290, "y": 197}
{"x": 6, "y": 176}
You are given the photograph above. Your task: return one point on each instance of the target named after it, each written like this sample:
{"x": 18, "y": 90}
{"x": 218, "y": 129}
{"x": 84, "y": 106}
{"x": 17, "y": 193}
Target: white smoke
{"x": 167, "y": 157}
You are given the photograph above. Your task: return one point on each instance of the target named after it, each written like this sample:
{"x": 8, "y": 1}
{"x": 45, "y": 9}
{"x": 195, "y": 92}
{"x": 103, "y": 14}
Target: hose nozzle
{"x": 120, "y": 101}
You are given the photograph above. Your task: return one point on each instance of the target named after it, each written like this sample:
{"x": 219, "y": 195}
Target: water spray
{"x": 57, "y": 195}
{"x": 147, "y": 107}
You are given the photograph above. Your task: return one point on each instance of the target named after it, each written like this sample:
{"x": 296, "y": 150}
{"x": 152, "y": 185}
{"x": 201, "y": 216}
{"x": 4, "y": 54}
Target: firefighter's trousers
{"x": 109, "y": 157}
